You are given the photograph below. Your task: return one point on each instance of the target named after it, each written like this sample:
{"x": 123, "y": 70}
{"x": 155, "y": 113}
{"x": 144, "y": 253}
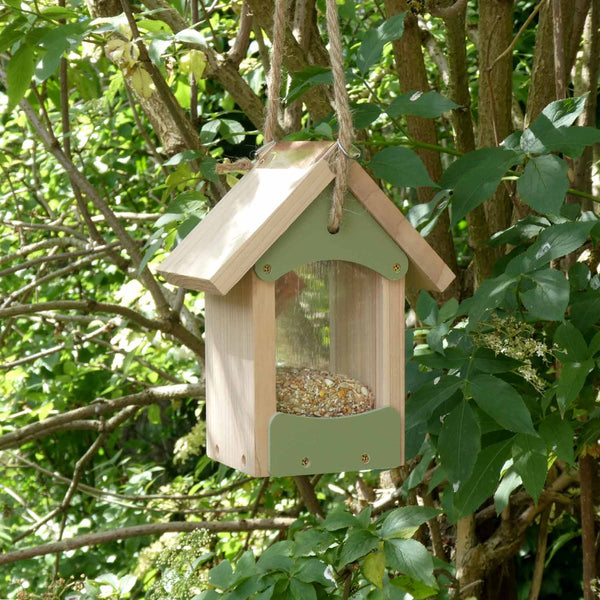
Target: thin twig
{"x": 525, "y": 25}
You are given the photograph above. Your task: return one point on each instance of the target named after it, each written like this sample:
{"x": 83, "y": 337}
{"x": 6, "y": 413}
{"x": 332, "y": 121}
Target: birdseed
{"x": 314, "y": 393}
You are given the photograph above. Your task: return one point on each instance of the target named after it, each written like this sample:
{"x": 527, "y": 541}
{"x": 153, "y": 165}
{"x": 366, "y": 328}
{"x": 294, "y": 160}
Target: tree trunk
{"x": 410, "y": 66}
{"x": 495, "y": 95}
{"x": 464, "y": 137}
{"x": 587, "y": 72}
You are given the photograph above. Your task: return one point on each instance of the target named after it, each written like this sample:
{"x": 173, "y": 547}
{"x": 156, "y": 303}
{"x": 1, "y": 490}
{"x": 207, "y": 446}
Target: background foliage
{"x": 480, "y": 121}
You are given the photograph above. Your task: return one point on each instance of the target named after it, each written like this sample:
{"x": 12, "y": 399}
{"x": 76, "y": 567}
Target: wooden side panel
{"x": 263, "y": 316}
{"x": 427, "y": 270}
{"x": 391, "y": 347}
{"x": 353, "y": 322}
{"x": 238, "y": 394}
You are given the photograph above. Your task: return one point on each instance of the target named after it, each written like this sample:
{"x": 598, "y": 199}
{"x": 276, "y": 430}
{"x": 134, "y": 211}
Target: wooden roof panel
{"x": 266, "y": 201}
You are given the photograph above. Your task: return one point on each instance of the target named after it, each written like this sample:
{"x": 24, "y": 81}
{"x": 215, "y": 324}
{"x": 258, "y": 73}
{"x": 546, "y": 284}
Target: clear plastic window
{"x": 326, "y": 346}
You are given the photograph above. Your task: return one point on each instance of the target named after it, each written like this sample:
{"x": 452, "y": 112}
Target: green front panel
{"x": 307, "y": 445}
{"x": 360, "y": 240}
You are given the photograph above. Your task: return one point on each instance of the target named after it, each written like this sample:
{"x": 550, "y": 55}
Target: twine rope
{"x": 346, "y": 128}
{"x": 345, "y": 150}
{"x": 274, "y": 79}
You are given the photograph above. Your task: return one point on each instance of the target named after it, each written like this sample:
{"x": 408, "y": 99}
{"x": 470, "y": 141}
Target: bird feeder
{"x": 304, "y": 328}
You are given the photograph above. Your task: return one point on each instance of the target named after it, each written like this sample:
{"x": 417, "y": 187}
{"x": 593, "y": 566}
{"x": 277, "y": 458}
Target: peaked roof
{"x": 266, "y": 201}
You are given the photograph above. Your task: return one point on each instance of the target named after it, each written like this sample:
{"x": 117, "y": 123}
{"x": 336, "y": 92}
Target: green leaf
{"x": 427, "y": 309}
{"x": 585, "y": 309}
{"x": 563, "y": 113}
{"x": 339, "y": 519}
{"x": 185, "y": 156}
{"x": 364, "y": 114}
{"x": 373, "y": 568}
{"x": 544, "y": 183}
{"x": 531, "y": 463}
{"x": 448, "y": 310}
{"x": 558, "y": 435}
{"x": 392, "y": 29}
{"x": 429, "y": 105}
{"x": 594, "y": 345}
{"x": 19, "y": 73}
{"x": 208, "y": 595}
{"x": 571, "y": 382}
{"x": 488, "y": 296}
{"x": 416, "y": 589}
{"x": 547, "y": 136}
{"x": 312, "y": 540}
{"x": 245, "y": 567}
{"x": 480, "y": 178}
{"x": 428, "y": 397}
{"x": 154, "y": 414}
{"x": 549, "y": 296}
{"x": 568, "y": 337}
{"x": 453, "y": 358}
{"x": 312, "y": 571}
{"x": 487, "y": 361}
{"x": 370, "y": 50}
{"x": 403, "y": 522}
{"x": 221, "y": 576}
{"x": 303, "y": 80}
{"x": 558, "y": 240}
{"x": 410, "y": 558}
{"x": 510, "y": 482}
{"x": 484, "y": 480}
{"x": 302, "y": 590}
{"x": 276, "y": 558}
{"x": 232, "y": 131}
{"x": 579, "y": 276}
{"x": 522, "y": 230}
{"x": 501, "y": 402}
{"x": 401, "y": 167}
{"x": 191, "y": 36}
{"x": 459, "y": 442}
{"x": 374, "y": 40}
{"x": 358, "y": 544}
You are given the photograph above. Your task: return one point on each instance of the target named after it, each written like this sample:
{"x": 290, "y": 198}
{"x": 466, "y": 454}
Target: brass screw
{"x": 266, "y": 268}
{"x": 365, "y": 459}
{"x": 305, "y": 462}
{"x": 396, "y": 267}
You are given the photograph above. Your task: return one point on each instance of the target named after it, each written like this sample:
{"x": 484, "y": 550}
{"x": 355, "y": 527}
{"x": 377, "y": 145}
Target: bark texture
{"x": 170, "y": 123}
{"x": 464, "y": 137}
{"x": 294, "y": 58}
{"x": 586, "y": 82}
{"x": 410, "y": 66}
{"x": 495, "y": 95}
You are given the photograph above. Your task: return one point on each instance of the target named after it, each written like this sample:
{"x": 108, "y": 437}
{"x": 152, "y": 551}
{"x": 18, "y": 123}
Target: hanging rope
{"x": 274, "y": 80}
{"x": 346, "y": 150}
{"x": 346, "y": 129}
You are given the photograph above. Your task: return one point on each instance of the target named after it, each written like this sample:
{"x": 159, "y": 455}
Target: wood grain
{"x": 240, "y": 374}
{"x": 427, "y": 270}
{"x": 248, "y": 220}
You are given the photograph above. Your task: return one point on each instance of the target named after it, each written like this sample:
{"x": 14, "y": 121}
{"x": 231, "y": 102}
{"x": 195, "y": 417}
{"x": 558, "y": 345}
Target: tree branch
{"x": 52, "y": 145}
{"x": 101, "y": 406}
{"x": 144, "y": 530}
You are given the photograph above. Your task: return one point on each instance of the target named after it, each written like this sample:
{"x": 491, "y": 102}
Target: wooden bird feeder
{"x": 281, "y": 292}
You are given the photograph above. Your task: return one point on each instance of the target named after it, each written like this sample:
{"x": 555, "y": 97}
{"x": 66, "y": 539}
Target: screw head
{"x": 266, "y": 268}
{"x": 365, "y": 458}
{"x": 396, "y": 267}
{"x": 305, "y": 462}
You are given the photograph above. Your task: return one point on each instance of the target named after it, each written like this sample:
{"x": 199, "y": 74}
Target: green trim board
{"x": 307, "y": 445}
{"x": 360, "y": 240}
